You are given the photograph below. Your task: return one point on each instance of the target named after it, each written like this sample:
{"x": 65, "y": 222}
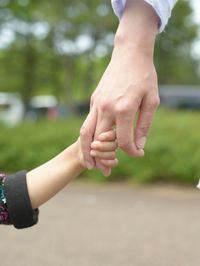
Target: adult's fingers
{"x": 124, "y": 129}
{"x": 145, "y": 117}
{"x": 86, "y": 137}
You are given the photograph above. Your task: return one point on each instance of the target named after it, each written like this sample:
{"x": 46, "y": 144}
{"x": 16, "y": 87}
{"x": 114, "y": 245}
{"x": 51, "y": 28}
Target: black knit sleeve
{"x": 18, "y": 202}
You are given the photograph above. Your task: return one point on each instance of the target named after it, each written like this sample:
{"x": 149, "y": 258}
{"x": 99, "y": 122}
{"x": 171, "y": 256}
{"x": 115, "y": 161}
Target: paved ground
{"x": 112, "y": 225}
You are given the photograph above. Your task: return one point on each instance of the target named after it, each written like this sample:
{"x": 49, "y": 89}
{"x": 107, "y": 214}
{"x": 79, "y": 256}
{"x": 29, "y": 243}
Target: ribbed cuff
{"x": 18, "y": 202}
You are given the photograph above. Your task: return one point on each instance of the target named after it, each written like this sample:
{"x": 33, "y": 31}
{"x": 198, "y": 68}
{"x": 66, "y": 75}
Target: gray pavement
{"x": 110, "y": 225}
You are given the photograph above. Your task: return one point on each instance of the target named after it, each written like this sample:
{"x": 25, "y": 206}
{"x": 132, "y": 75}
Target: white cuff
{"x": 118, "y": 7}
{"x": 163, "y": 9}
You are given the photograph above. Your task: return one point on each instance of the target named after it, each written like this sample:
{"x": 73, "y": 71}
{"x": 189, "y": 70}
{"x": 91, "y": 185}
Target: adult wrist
{"x": 134, "y": 45}
{"x": 138, "y": 27}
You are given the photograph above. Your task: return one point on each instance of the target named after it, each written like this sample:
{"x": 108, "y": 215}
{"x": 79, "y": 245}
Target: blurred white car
{"x": 45, "y": 106}
{"x": 11, "y": 108}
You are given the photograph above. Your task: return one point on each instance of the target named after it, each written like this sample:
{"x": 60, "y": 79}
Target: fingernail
{"x": 141, "y": 152}
{"x": 89, "y": 165}
{"x": 106, "y": 173}
{"x": 141, "y": 143}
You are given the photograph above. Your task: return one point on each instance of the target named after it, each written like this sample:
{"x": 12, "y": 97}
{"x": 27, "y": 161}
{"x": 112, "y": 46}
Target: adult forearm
{"x": 137, "y": 28}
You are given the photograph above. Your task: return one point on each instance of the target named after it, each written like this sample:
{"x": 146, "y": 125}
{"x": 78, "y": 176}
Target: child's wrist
{"x": 77, "y": 156}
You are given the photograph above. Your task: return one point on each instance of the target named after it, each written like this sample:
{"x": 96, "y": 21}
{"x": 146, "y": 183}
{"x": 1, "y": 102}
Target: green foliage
{"x": 173, "y": 54}
{"x": 29, "y": 145}
{"x": 172, "y": 153}
{"x": 44, "y": 56}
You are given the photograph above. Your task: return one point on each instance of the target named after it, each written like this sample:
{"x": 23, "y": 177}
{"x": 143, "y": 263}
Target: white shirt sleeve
{"x": 163, "y": 9}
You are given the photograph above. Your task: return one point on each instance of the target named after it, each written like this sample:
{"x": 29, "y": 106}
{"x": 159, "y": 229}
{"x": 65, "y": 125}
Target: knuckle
{"x": 84, "y": 132}
{"x": 122, "y": 109}
{"x": 126, "y": 107}
{"x": 154, "y": 103}
{"x": 104, "y": 106}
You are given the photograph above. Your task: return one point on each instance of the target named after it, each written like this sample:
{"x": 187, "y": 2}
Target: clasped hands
{"x": 126, "y": 94}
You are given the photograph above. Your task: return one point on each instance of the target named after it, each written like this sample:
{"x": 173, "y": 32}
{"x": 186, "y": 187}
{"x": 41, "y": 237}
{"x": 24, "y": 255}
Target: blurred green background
{"x": 61, "y": 48}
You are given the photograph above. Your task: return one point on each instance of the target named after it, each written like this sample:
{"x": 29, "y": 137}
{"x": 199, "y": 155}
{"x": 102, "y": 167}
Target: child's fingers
{"x": 107, "y": 136}
{"x": 104, "y": 146}
{"x": 110, "y": 163}
{"x": 109, "y": 155}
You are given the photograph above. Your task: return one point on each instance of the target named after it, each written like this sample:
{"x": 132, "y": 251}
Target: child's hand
{"x": 105, "y": 149}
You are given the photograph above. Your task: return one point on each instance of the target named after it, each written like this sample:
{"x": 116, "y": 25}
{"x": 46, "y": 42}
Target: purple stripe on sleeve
{"x": 4, "y": 215}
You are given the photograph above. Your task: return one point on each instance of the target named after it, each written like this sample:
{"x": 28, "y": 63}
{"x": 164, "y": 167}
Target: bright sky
{"x": 196, "y": 5}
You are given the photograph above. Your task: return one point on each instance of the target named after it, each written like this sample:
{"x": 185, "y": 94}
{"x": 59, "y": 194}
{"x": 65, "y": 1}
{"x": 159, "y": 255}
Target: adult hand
{"x": 128, "y": 86}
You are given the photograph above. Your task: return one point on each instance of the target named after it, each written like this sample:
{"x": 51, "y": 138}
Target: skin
{"x": 128, "y": 87}
{"x": 48, "y": 179}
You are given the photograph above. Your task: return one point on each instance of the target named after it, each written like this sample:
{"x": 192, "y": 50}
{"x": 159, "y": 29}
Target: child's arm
{"x": 48, "y": 179}
{"x": 21, "y": 194}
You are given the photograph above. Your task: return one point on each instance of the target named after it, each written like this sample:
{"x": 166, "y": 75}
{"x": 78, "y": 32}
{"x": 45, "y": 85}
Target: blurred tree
{"x": 53, "y": 44}
{"x": 173, "y": 57}
{"x": 62, "y": 47}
